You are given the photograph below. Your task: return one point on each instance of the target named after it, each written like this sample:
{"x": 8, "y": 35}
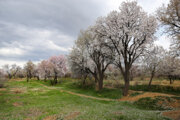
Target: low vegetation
{"x": 66, "y": 100}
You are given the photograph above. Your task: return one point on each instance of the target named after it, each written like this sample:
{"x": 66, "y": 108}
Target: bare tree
{"x": 14, "y": 70}
{"x": 152, "y": 59}
{"x": 99, "y": 54}
{"x": 91, "y": 56}
{"x": 127, "y": 32}
{"x": 6, "y": 68}
{"x": 11, "y": 70}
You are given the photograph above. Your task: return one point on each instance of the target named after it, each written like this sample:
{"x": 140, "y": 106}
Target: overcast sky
{"x": 37, "y": 29}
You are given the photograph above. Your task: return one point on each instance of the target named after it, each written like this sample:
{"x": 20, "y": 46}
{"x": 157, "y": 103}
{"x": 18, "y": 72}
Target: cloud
{"x": 151, "y": 6}
{"x": 11, "y": 51}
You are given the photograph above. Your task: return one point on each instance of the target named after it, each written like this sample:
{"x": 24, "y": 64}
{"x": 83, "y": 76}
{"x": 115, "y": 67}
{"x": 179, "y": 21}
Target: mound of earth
{"x": 143, "y": 95}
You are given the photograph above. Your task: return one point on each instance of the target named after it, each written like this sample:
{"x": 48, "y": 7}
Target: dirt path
{"x": 78, "y": 94}
{"x": 128, "y": 98}
{"x": 86, "y": 96}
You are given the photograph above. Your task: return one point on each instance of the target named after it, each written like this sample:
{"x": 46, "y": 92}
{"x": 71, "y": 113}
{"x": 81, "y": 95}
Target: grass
{"x": 36, "y": 102}
{"x": 153, "y": 103}
{"x": 157, "y": 88}
{"x": 75, "y": 86}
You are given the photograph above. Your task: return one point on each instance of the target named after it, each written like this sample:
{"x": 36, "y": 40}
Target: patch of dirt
{"x": 3, "y": 89}
{"x": 18, "y": 90}
{"x": 175, "y": 115}
{"x": 71, "y": 116}
{"x": 17, "y": 104}
{"x": 53, "y": 117}
{"x": 147, "y": 94}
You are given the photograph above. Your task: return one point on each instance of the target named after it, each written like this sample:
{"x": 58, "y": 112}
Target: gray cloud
{"x": 37, "y": 29}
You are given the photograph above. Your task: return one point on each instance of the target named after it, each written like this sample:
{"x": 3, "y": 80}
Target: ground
{"x": 37, "y": 100}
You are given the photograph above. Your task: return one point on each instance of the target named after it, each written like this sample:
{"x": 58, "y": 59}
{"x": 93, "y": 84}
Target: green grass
{"x": 37, "y": 102}
{"x": 157, "y": 103}
{"x": 75, "y": 86}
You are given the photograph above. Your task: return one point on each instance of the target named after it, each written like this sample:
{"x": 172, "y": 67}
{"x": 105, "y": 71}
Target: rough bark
{"x": 126, "y": 81}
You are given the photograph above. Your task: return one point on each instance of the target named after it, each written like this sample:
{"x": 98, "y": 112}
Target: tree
{"x": 170, "y": 18}
{"x": 152, "y": 59}
{"x": 58, "y": 64}
{"x": 127, "y": 32}
{"x": 44, "y": 69}
{"x": 90, "y": 55}
{"x": 100, "y": 55}
{"x": 3, "y": 78}
{"x": 29, "y": 68}
{"x": 170, "y": 67}
{"x": 6, "y": 68}
{"x": 14, "y": 70}
{"x": 36, "y": 72}
{"x": 78, "y": 59}
{"x": 11, "y": 70}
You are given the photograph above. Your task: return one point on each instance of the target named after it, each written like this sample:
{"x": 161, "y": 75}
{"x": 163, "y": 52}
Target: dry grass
{"x": 19, "y": 90}
{"x": 17, "y": 104}
{"x": 3, "y": 89}
{"x": 53, "y": 117}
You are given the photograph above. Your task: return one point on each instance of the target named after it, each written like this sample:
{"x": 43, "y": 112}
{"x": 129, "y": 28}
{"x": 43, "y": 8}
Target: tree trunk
{"x": 37, "y": 77}
{"x": 126, "y": 88}
{"x": 55, "y": 78}
{"x": 152, "y": 75}
{"x": 45, "y": 79}
{"x": 100, "y": 84}
{"x": 27, "y": 78}
{"x": 9, "y": 76}
{"x": 126, "y": 80}
{"x": 84, "y": 79}
{"x": 171, "y": 81}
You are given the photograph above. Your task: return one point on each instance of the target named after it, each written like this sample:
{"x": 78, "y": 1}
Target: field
{"x": 38, "y": 100}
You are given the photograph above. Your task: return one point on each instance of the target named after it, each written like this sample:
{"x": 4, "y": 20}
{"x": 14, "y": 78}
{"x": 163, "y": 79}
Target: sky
{"x": 37, "y": 29}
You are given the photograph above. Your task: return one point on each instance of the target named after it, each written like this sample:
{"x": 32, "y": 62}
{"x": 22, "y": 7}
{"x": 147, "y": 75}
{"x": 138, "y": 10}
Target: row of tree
{"x": 52, "y": 68}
